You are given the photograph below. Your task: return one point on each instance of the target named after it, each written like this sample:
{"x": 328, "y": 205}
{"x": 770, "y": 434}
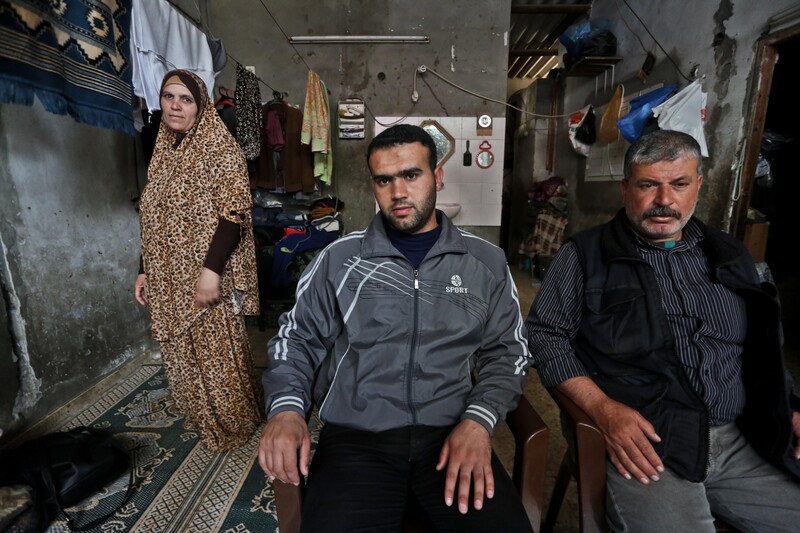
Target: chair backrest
{"x": 530, "y": 463}
{"x": 584, "y": 460}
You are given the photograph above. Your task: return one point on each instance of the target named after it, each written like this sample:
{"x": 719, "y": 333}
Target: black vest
{"x": 626, "y": 345}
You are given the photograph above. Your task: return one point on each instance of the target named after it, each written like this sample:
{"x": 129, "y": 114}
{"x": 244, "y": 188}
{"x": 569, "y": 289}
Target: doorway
{"x": 771, "y": 185}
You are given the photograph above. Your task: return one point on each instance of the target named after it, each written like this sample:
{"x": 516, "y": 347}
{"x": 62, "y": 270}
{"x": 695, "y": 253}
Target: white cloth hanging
{"x": 162, "y": 39}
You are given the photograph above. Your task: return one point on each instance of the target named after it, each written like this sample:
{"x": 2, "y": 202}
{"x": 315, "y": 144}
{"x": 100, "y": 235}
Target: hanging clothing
{"x": 226, "y": 109}
{"x": 195, "y": 180}
{"x": 286, "y": 167}
{"x": 273, "y": 130}
{"x": 290, "y": 246}
{"x": 162, "y": 40}
{"x": 248, "y": 112}
{"x": 316, "y": 127}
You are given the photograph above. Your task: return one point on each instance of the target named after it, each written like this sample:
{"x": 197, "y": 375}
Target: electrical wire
{"x": 436, "y": 97}
{"x": 201, "y": 25}
{"x": 288, "y": 40}
{"x": 375, "y": 118}
{"x": 417, "y": 72}
{"x": 423, "y": 69}
{"x": 629, "y": 27}
{"x": 656, "y": 41}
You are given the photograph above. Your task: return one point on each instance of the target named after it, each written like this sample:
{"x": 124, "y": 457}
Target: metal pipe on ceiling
{"x": 358, "y": 39}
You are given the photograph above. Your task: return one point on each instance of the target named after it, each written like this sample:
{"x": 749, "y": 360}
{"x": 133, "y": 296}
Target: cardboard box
{"x": 755, "y": 239}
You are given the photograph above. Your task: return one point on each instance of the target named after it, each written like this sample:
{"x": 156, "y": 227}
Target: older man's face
{"x": 660, "y": 198}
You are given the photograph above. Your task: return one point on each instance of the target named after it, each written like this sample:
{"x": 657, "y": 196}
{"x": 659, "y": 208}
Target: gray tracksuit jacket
{"x": 385, "y": 346}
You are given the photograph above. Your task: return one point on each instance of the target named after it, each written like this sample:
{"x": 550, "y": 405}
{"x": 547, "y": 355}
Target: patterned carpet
{"x": 179, "y": 486}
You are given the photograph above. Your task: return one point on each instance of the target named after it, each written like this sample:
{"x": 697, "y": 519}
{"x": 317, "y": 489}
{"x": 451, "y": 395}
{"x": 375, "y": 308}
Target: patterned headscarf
{"x": 182, "y": 77}
{"x": 190, "y": 186}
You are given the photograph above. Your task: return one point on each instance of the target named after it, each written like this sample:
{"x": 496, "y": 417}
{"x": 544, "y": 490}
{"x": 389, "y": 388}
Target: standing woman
{"x": 198, "y": 273}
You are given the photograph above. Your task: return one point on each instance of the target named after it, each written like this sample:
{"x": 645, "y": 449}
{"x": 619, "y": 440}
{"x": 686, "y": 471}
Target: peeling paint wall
{"x": 719, "y": 40}
{"x": 8, "y": 362}
{"x": 68, "y": 259}
{"x": 29, "y": 391}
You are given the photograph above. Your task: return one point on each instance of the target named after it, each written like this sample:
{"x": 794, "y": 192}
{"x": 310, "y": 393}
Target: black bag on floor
{"x": 63, "y": 469}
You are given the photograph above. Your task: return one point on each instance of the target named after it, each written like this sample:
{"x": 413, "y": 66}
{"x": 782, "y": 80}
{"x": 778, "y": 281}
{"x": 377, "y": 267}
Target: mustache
{"x": 662, "y": 212}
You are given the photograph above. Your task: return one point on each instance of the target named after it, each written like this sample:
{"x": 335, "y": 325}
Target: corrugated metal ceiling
{"x": 535, "y": 28}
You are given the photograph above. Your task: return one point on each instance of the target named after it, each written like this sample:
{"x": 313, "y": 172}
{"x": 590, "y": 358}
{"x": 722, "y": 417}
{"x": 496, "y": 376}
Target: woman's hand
{"x": 207, "y": 288}
{"x": 140, "y": 289}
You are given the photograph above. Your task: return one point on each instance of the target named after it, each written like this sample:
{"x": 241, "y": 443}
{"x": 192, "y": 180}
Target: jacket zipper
{"x": 411, "y": 360}
{"x": 708, "y": 445}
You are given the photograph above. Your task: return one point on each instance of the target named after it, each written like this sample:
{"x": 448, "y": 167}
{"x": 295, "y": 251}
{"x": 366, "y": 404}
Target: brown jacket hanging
{"x": 297, "y": 173}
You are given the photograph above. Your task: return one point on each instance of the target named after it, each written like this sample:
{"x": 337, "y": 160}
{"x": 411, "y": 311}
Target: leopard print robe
{"x": 206, "y": 352}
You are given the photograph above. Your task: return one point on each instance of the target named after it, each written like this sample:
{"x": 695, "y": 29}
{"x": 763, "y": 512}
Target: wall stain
{"x": 30, "y": 386}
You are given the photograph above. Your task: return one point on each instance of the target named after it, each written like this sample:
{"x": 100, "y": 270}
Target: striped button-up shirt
{"x": 707, "y": 320}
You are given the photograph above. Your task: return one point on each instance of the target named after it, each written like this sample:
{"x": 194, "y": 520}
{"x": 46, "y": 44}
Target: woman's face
{"x": 178, "y": 108}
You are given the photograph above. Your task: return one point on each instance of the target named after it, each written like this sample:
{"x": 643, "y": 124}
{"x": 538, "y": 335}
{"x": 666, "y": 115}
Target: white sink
{"x": 450, "y": 209}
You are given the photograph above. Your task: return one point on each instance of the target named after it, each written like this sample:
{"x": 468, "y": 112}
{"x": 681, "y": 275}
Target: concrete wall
{"x": 719, "y": 39}
{"x": 68, "y": 259}
{"x": 467, "y": 46}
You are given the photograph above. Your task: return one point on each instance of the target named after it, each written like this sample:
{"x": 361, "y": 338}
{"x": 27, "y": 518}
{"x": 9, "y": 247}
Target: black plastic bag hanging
{"x": 587, "y": 129}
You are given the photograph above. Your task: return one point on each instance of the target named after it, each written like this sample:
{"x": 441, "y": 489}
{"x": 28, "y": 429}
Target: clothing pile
{"x": 288, "y": 236}
{"x": 547, "y": 201}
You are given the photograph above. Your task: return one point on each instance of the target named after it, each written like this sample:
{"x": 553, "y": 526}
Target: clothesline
{"x": 199, "y": 25}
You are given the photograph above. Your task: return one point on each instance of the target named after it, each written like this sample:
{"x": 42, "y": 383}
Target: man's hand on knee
{"x": 467, "y": 454}
{"x": 629, "y": 438}
{"x": 283, "y": 436}
{"x": 627, "y": 433}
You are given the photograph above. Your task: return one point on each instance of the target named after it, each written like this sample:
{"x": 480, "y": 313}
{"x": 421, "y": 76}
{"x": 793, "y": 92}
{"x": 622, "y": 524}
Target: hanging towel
{"x": 162, "y": 40}
{"x": 248, "y": 112}
{"x": 316, "y": 127}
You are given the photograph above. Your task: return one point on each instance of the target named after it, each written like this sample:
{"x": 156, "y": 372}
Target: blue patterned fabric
{"x": 74, "y": 55}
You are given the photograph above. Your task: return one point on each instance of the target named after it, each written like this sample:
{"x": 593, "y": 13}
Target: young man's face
{"x": 405, "y": 187}
{"x": 660, "y": 198}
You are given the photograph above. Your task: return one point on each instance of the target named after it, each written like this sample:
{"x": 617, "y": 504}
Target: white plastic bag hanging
{"x": 685, "y": 112}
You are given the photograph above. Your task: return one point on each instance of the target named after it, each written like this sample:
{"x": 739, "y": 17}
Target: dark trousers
{"x": 362, "y": 481}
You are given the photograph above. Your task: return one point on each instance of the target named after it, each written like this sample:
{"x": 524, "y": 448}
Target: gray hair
{"x": 661, "y": 145}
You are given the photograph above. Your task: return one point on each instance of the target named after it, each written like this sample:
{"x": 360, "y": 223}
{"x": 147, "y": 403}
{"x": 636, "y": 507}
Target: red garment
{"x": 273, "y": 131}
{"x": 297, "y": 172}
{"x": 292, "y": 231}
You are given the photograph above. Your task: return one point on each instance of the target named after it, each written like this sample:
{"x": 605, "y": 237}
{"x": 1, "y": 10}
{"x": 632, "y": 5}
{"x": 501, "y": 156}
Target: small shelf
{"x": 590, "y": 66}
